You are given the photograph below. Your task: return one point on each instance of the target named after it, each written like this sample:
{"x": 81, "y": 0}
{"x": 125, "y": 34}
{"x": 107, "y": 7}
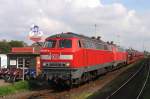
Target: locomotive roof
{"x": 70, "y": 35}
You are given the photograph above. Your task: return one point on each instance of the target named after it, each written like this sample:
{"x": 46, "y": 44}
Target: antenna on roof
{"x": 118, "y": 36}
{"x": 95, "y": 25}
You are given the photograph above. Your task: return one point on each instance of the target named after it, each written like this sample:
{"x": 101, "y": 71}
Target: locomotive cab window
{"x": 100, "y": 46}
{"x": 50, "y": 44}
{"x": 65, "y": 43}
{"x": 79, "y": 44}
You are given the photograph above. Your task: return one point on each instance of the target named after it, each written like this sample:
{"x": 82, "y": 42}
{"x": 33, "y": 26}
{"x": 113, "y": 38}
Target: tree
{"x": 5, "y": 46}
{"x": 14, "y": 43}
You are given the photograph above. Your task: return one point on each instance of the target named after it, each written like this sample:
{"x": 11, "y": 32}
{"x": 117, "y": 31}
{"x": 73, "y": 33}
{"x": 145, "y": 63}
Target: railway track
{"x": 134, "y": 86}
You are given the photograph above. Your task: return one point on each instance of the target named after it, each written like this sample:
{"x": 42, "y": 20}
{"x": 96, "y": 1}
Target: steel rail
{"x": 143, "y": 87}
{"x": 108, "y": 97}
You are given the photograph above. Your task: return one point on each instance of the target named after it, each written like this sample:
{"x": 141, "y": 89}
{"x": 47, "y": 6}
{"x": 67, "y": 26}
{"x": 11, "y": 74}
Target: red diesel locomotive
{"x": 74, "y": 58}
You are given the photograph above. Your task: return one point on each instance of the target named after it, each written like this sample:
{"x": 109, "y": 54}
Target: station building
{"x": 28, "y": 57}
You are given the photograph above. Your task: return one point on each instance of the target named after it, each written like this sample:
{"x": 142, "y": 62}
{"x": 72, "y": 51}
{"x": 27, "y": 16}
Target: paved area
{"x": 3, "y": 83}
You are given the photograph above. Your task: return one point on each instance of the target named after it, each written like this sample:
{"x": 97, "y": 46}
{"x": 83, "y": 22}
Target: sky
{"x": 139, "y": 5}
{"x": 126, "y": 22}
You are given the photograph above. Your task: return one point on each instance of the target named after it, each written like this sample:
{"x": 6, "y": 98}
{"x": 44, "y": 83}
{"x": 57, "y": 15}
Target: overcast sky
{"x": 124, "y": 21}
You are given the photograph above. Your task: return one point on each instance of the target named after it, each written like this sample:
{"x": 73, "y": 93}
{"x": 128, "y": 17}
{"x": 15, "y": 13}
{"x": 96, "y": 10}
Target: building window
{"x": 20, "y": 62}
{"x": 26, "y": 61}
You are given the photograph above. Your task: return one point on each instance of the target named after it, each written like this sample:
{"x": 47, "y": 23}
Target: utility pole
{"x": 118, "y": 38}
{"x": 143, "y": 46}
{"x": 23, "y": 69}
{"x": 95, "y": 25}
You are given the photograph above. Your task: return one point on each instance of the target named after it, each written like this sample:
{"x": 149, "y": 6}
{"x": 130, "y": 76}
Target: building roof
{"x": 19, "y": 50}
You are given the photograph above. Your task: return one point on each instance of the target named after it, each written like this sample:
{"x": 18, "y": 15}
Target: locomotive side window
{"x": 84, "y": 44}
{"x": 100, "y": 46}
{"x": 121, "y": 49}
{"x": 109, "y": 48}
{"x": 65, "y": 43}
{"x": 79, "y": 44}
{"x": 105, "y": 47}
{"x": 50, "y": 44}
{"x": 89, "y": 44}
{"x": 93, "y": 45}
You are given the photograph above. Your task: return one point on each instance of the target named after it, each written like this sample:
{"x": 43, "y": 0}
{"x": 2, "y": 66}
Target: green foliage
{"x": 18, "y": 86}
{"x": 5, "y": 46}
{"x": 13, "y": 43}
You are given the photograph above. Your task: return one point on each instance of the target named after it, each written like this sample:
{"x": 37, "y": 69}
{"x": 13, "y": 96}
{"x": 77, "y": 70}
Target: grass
{"x": 13, "y": 88}
{"x": 83, "y": 95}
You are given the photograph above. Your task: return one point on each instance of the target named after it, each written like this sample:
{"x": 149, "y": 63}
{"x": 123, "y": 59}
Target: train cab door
{"x": 85, "y": 56}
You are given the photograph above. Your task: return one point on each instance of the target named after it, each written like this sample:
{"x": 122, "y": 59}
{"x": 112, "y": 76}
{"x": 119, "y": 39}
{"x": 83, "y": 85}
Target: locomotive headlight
{"x": 67, "y": 64}
{"x": 44, "y": 64}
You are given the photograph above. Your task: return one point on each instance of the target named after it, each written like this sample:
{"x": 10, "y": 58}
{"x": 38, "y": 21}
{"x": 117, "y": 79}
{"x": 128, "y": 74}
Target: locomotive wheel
{"x": 70, "y": 84}
{"x": 91, "y": 76}
{"x": 50, "y": 82}
{"x": 84, "y": 78}
{"x": 76, "y": 82}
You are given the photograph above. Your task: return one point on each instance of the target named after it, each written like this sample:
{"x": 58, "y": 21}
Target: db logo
{"x": 35, "y": 34}
{"x": 55, "y": 56}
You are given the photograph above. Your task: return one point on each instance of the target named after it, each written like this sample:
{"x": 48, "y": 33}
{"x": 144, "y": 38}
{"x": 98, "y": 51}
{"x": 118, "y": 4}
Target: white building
{"x": 3, "y": 61}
